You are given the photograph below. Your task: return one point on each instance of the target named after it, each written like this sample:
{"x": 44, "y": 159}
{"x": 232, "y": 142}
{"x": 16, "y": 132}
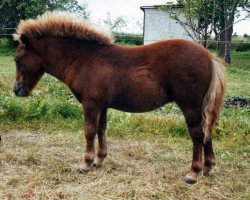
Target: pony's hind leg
{"x": 91, "y": 113}
{"x": 102, "y": 149}
{"x": 209, "y": 162}
{"x": 194, "y": 122}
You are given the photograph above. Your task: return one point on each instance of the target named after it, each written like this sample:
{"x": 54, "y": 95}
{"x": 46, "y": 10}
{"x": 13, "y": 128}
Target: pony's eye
{"x": 16, "y": 60}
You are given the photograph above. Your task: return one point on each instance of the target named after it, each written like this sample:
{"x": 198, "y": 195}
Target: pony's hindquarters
{"x": 213, "y": 99}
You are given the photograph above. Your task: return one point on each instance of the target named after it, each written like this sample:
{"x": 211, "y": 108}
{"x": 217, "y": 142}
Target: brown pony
{"x": 103, "y": 75}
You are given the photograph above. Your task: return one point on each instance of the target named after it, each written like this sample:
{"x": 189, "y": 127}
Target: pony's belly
{"x": 138, "y": 91}
{"x": 136, "y": 108}
{"x": 140, "y": 102}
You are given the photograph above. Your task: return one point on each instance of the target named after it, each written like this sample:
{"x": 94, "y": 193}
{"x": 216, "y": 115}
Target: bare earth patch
{"x": 44, "y": 166}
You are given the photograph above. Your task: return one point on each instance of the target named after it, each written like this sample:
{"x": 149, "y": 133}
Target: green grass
{"x": 238, "y": 75}
{"x": 149, "y": 153}
{"x": 52, "y": 100}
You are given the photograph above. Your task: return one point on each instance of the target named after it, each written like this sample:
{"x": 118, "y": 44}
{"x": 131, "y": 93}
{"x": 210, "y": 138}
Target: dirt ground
{"x": 35, "y": 165}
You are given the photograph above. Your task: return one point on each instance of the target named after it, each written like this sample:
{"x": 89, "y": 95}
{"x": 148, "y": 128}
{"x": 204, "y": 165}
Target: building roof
{"x": 159, "y": 6}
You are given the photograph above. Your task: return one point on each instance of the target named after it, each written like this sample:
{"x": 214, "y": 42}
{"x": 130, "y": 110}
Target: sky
{"x": 131, "y": 12}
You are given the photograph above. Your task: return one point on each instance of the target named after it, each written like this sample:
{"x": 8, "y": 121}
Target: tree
{"x": 231, "y": 10}
{"x": 246, "y": 36}
{"x": 12, "y": 11}
{"x": 219, "y": 29}
{"x": 114, "y": 24}
{"x": 216, "y": 16}
{"x": 195, "y": 16}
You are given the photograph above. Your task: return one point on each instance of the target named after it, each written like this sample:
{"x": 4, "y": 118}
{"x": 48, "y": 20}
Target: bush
{"x": 13, "y": 110}
{"x": 129, "y": 39}
{"x": 243, "y": 46}
{"x": 66, "y": 111}
{"x": 236, "y": 45}
{"x": 178, "y": 130}
{"x": 37, "y": 109}
{"x": 213, "y": 45}
{"x": 7, "y": 46}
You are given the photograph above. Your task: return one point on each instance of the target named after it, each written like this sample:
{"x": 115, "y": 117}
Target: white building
{"x": 158, "y": 25}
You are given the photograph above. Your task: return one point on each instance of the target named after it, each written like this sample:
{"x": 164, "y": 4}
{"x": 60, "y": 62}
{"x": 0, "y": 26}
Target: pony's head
{"x": 28, "y": 67}
{"x": 30, "y": 34}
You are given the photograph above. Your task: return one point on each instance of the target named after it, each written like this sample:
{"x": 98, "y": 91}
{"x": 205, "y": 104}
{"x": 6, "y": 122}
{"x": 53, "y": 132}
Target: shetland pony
{"x": 103, "y": 75}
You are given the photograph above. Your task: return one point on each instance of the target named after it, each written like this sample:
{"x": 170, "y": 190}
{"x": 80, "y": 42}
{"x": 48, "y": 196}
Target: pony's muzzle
{"x": 20, "y": 91}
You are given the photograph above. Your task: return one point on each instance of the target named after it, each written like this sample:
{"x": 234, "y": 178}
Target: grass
{"x": 149, "y": 154}
{"x": 238, "y": 74}
{"x": 133, "y": 170}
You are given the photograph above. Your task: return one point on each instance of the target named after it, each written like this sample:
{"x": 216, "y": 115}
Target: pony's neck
{"x": 59, "y": 55}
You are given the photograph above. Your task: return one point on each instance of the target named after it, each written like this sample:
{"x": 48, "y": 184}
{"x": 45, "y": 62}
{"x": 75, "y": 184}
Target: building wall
{"x": 159, "y": 26}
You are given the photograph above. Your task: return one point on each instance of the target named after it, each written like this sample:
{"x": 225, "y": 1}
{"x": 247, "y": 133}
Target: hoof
{"x": 97, "y": 162}
{"x": 207, "y": 171}
{"x": 84, "y": 169}
{"x": 96, "y": 165}
{"x": 81, "y": 171}
{"x": 191, "y": 178}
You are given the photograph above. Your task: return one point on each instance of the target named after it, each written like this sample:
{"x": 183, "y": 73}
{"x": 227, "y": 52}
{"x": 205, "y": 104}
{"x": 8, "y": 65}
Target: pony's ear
{"x": 25, "y": 40}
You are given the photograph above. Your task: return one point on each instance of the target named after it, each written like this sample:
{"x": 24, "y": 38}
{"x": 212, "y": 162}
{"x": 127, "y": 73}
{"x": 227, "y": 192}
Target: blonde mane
{"x": 59, "y": 25}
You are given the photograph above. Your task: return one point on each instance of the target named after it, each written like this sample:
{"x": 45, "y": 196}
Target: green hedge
{"x": 7, "y": 46}
{"x": 236, "y": 45}
{"x": 241, "y": 46}
{"x": 129, "y": 39}
{"x": 7, "y": 42}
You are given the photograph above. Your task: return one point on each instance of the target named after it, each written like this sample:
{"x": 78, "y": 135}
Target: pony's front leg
{"x": 91, "y": 114}
{"x": 102, "y": 150}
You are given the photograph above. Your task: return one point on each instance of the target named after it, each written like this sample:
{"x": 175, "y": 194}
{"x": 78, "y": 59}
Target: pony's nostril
{"x": 17, "y": 90}
{"x": 20, "y": 91}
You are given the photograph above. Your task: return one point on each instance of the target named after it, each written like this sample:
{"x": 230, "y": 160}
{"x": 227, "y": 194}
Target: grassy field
{"x": 149, "y": 154}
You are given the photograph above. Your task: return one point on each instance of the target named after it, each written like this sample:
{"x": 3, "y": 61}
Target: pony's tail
{"x": 213, "y": 98}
